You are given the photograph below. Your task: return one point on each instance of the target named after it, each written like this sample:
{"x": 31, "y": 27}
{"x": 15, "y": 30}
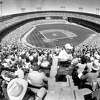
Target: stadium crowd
{"x": 24, "y": 72}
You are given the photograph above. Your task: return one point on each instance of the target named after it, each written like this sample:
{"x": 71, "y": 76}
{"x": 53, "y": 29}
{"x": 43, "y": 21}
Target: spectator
{"x": 16, "y": 89}
{"x": 65, "y": 55}
{"x": 37, "y": 78}
{"x": 91, "y": 77}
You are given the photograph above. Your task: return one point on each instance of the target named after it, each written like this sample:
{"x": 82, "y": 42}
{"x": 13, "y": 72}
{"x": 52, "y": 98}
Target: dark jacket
{"x": 90, "y": 77}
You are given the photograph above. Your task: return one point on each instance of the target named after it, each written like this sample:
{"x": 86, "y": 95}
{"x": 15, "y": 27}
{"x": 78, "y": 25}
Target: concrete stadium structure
{"x": 12, "y": 23}
{"x": 14, "y": 27}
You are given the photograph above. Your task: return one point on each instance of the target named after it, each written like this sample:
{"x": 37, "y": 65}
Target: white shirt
{"x": 5, "y": 65}
{"x": 19, "y": 73}
{"x": 81, "y": 67}
{"x": 39, "y": 59}
{"x": 4, "y": 77}
{"x": 45, "y": 64}
{"x": 89, "y": 65}
{"x": 64, "y": 56}
{"x": 31, "y": 58}
{"x": 97, "y": 56}
{"x": 75, "y": 61}
{"x": 7, "y": 60}
{"x": 27, "y": 65}
{"x": 35, "y": 78}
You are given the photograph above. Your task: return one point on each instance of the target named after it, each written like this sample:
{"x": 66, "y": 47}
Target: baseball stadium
{"x": 49, "y": 53}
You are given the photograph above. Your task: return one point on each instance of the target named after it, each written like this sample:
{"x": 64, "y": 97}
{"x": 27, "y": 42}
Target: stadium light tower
{"x": 97, "y": 11}
{"x": 41, "y": 5}
{"x": 23, "y": 10}
{"x": 80, "y": 9}
{"x": 38, "y": 8}
{"x": 1, "y": 2}
{"x": 63, "y": 7}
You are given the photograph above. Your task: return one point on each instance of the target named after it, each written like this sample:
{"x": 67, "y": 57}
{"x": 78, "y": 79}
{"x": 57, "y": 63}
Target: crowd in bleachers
{"x": 10, "y": 20}
{"x": 21, "y": 64}
{"x": 85, "y": 23}
{"x": 24, "y": 73}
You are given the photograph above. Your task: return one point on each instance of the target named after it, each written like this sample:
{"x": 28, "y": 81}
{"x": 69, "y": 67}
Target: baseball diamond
{"x": 57, "y": 34}
{"x": 51, "y": 35}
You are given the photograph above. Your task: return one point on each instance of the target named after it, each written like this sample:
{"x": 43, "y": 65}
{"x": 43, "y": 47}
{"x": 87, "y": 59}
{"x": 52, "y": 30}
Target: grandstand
{"x": 70, "y": 23}
{"x": 31, "y": 37}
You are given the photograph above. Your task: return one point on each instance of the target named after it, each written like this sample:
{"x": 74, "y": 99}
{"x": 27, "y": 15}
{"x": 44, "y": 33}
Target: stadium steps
{"x": 79, "y": 93}
{"x": 59, "y": 91}
{"x": 62, "y": 90}
{"x": 33, "y": 40}
{"x": 38, "y": 40}
{"x": 65, "y": 90}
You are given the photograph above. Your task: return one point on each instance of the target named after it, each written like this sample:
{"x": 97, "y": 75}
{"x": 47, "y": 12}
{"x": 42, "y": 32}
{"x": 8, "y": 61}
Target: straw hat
{"x": 16, "y": 89}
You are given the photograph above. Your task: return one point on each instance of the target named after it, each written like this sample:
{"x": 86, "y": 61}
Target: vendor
{"x": 65, "y": 56}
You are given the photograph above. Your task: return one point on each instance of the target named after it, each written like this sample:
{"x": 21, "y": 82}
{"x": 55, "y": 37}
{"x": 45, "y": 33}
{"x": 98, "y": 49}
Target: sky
{"x": 18, "y": 6}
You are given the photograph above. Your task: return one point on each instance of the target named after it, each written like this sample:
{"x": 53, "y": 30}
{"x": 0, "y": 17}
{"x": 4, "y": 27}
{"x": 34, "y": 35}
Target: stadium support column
{"x": 80, "y": 9}
{"x": 1, "y": 2}
{"x": 63, "y": 7}
{"x": 23, "y": 10}
{"x": 38, "y": 8}
{"x": 97, "y": 11}
{"x": 41, "y": 5}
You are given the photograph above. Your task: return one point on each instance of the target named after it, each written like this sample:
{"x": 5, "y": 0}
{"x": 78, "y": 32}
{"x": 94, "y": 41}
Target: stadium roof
{"x": 18, "y": 6}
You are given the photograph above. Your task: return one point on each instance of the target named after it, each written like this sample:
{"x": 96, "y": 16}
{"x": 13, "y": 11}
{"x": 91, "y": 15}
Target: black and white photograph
{"x": 49, "y": 49}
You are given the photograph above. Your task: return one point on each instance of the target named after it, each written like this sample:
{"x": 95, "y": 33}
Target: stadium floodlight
{"x": 63, "y": 7}
{"x": 39, "y": 8}
{"x": 97, "y": 11}
{"x": 80, "y": 9}
{"x": 41, "y": 5}
{"x": 23, "y": 10}
{"x": 1, "y": 2}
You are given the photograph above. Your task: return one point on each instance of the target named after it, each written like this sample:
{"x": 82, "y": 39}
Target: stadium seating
{"x": 14, "y": 27}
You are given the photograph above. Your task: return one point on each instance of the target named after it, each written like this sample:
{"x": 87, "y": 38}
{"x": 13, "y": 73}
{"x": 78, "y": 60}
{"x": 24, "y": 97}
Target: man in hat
{"x": 16, "y": 89}
{"x": 91, "y": 77}
{"x": 37, "y": 82}
{"x": 65, "y": 55}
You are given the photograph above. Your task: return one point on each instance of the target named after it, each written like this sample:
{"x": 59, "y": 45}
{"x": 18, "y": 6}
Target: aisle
{"x": 59, "y": 90}
{"x": 63, "y": 90}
